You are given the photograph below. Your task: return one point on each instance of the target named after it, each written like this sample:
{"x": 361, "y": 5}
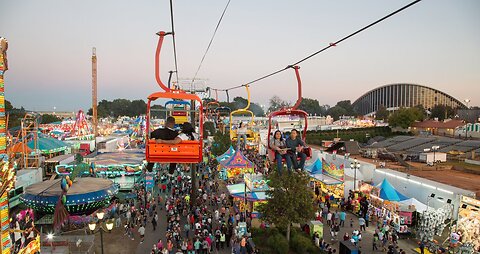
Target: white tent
{"x": 419, "y": 206}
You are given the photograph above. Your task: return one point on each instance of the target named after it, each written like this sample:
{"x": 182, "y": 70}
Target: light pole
{"x": 101, "y": 226}
{"x": 355, "y": 165}
{"x": 50, "y": 239}
{"x": 434, "y": 149}
{"x": 466, "y": 119}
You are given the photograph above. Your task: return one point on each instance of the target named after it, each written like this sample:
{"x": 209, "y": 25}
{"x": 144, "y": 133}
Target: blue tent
{"x": 226, "y": 155}
{"x": 388, "y": 192}
{"x": 315, "y": 168}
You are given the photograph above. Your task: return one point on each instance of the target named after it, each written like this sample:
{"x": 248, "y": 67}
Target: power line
{"x": 211, "y": 40}
{"x": 174, "y": 44}
{"x": 325, "y": 48}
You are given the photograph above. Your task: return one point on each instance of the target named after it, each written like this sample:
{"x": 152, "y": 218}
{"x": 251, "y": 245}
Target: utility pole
{"x": 94, "y": 94}
{"x": 193, "y": 166}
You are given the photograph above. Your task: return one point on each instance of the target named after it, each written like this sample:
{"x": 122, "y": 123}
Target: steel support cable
{"x": 174, "y": 44}
{"x": 211, "y": 40}
{"x": 325, "y": 48}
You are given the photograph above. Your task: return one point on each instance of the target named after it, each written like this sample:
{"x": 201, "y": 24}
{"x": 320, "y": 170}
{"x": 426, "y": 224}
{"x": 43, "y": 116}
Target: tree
{"x": 47, "y": 118}
{"x": 336, "y": 112}
{"x": 441, "y": 112}
{"x": 347, "y": 105}
{"x": 404, "y": 117}
{"x": 208, "y": 129}
{"x": 382, "y": 113}
{"x": 15, "y": 115}
{"x": 312, "y": 107}
{"x": 290, "y": 200}
{"x": 221, "y": 143}
{"x": 276, "y": 103}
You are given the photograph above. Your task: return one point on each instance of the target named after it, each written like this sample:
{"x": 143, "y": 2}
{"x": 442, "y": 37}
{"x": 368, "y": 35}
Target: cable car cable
{"x": 325, "y": 48}
{"x": 211, "y": 40}
{"x": 174, "y": 44}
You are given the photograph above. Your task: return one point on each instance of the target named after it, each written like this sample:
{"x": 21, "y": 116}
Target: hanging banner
{"x": 332, "y": 170}
{"x": 149, "y": 181}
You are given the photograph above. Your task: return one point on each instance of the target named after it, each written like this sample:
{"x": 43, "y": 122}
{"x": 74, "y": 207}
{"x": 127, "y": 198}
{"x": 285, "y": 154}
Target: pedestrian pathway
{"x": 366, "y": 244}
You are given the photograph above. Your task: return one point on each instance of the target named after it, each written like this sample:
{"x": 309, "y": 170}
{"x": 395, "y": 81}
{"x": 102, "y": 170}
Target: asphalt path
{"x": 152, "y": 237}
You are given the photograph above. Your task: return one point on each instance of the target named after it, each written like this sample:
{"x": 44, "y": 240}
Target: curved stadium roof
{"x": 394, "y": 96}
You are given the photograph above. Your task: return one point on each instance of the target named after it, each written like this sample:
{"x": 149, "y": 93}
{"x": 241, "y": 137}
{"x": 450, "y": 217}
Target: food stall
{"x": 328, "y": 178}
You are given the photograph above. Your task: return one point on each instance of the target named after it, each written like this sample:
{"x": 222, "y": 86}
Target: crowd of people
{"x": 201, "y": 225}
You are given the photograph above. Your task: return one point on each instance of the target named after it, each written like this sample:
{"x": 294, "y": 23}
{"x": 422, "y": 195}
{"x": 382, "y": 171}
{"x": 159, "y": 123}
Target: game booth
{"x": 236, "y": 165}
{"x": 252, "y": 191}
{"x": 225, "y": 156}
{"x": 389, "y": 205}
{"x": 327, "y": 178}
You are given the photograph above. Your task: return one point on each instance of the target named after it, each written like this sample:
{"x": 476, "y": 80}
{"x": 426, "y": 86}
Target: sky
{"x": 434, "y": 43}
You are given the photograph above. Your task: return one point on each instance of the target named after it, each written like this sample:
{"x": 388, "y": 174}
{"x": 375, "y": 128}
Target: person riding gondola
{"x": 165, "y": 133}
{"x": 296, "y": 145}
{"x": 278, "y": 145}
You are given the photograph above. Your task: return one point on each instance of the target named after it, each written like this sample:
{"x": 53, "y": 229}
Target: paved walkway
{"x": 366, "y": 244}
{"x": 152, "y": 237}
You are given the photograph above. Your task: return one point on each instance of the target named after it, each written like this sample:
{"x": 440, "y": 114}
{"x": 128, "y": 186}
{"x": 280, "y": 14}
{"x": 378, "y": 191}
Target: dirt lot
{"x": 452, "y": 177}
{"x": 442, "y": 173}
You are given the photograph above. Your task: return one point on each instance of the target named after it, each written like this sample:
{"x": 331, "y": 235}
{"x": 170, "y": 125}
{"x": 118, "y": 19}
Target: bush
{"x": 278, "y": 243}
{"x": 301, "y": 243}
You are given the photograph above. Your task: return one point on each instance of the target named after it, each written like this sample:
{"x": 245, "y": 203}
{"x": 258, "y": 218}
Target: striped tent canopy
{"x": 48, "y": 145}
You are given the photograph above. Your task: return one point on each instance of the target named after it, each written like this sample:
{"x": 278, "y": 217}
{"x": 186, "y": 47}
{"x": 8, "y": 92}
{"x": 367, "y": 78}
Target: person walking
{"x": 375, "y": 241}
{"x": 421, "y": 245}
{"x": 329, "y": 218}
{"x": 141, "y": 231}
{"x": 343, "y": 217}
{"x": 222, "y": 240}
{"x": 361, "y": 222}
{"x": 154, "y": 223}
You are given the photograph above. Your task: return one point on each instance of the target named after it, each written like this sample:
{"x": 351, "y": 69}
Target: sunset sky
{"x": 434, "y": 43}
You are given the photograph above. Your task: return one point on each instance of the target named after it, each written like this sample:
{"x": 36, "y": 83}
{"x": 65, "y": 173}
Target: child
{"x": 351, "y": 222}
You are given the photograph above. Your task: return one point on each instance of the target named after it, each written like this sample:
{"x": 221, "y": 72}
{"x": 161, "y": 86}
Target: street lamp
{"x": 466, "y": 119}
{"x": 101, "y": 226}
{"x": 355, "y": 165}
{"x": 50, "y": 239}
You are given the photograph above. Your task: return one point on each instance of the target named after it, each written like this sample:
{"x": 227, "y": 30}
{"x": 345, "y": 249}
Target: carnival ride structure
{"x": 86, "y": 195}
{"x": 185, "y": 151}
{"x": 210, "y": 114}
{"x": 81, "y": 129}
{"x": 291, "y": 112}
{"x": 179, "y": 110}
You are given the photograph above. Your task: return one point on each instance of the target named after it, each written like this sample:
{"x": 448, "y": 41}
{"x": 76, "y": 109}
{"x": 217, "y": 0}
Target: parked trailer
{"x": 431, "y": 157}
